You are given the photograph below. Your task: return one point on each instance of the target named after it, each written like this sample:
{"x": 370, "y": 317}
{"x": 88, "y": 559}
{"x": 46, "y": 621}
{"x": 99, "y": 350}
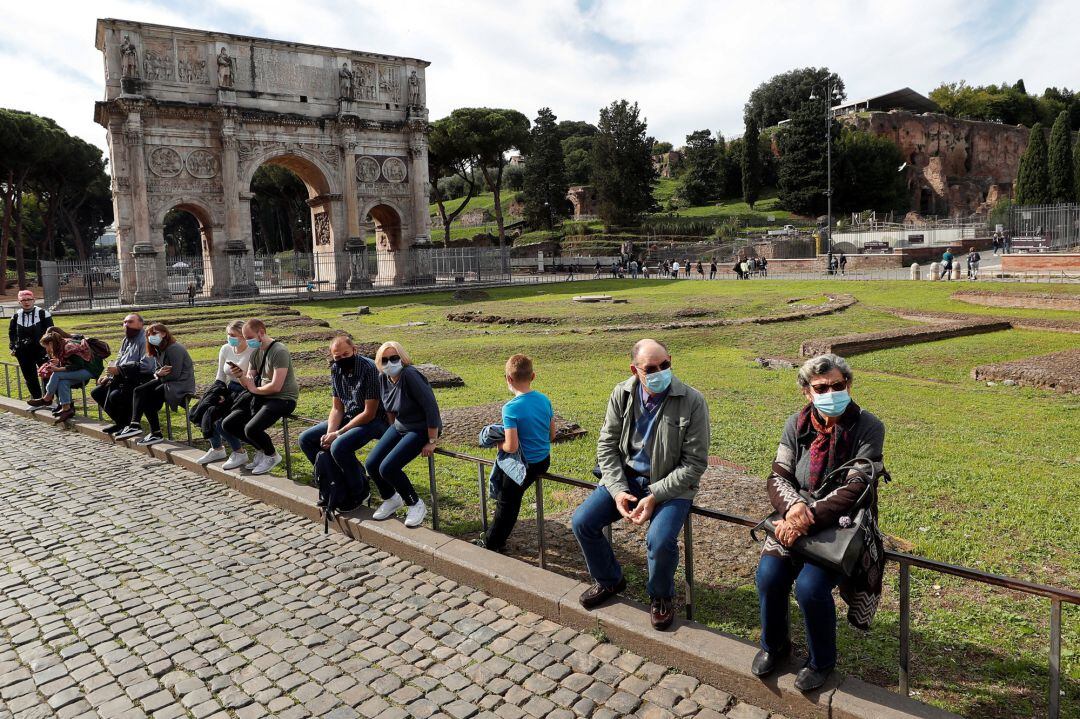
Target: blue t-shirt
{"x": 530, "y": 414}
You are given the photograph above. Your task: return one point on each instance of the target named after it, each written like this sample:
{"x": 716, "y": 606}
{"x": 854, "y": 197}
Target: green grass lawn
{"x": 983, "y": 476}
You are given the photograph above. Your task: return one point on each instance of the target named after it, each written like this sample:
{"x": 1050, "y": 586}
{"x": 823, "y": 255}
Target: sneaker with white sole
{"x": 268, "y": 462}
{"x": 415, "y": 516}
{"x": 212, "y": 455}
{"x": 388, "y": 507}
{"x": 132, "y": 430}
{"x": 152, "y": 438}
{"x": 237, "y": 459}
{"x": 256, "y": 459}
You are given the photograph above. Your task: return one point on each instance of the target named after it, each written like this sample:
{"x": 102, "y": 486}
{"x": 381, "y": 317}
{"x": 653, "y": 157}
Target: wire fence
{"x": 1057, "y": 596}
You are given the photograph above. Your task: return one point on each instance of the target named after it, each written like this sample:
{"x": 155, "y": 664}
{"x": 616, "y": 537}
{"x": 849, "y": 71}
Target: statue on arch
{"x": 414, "y": 89}
{"x": 224, "y": 70}
{"x": 129, "y": 58}
{"x": 345, "y": 82}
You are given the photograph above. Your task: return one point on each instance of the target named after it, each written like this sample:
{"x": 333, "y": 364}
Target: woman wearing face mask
{"x": 415, "y": 425}
{"x": 828, "y": 432}
{"x": 174, "y": 379}
{"x": 234, "y": 353}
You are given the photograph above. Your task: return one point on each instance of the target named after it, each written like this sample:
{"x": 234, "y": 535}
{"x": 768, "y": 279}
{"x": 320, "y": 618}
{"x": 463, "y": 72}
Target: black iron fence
{"x": 1057, "y": 596}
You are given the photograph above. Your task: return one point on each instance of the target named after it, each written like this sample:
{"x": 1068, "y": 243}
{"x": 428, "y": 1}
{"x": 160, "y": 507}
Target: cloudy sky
{"x": 690, "y": 64}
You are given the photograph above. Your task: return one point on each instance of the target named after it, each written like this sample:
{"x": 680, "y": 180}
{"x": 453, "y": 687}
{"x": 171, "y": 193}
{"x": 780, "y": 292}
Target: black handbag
{"x": 840, "y": 546}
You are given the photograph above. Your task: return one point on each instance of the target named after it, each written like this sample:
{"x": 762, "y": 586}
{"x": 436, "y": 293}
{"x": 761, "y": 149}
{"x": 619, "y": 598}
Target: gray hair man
{"x": 652, "y": 451}
{"x": 132, "y": 367}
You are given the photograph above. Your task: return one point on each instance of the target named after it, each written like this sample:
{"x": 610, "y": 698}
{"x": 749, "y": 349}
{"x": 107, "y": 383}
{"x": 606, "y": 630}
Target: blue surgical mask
{"x": 392, "y": 370}
{"x": 253, "y": 344}
{"x": 658, "y": 381}
{"x": 832, "y": 404}
{"x": 154, "y": 339}
{"x": 233, "y": 341}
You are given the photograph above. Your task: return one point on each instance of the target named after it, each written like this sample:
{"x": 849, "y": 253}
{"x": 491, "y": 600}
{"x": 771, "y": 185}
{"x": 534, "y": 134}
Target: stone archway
{"x": 193, "y": 114}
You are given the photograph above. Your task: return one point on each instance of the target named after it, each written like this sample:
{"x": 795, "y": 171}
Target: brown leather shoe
{"x": 662, "y": 613}
{"x": 65, "y": 415}
{"x": 596, "y": 595}
{"x": 37, "y": 402}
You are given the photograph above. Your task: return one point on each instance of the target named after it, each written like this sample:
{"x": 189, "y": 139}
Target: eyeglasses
{"x": 834, "y": 387}
{"x": 652, "y": 369}
{"x": 391, "y": 360}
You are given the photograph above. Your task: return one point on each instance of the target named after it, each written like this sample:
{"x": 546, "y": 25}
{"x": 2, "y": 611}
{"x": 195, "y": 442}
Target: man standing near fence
{"x": 28, "y": 326}
{"x": 653, "y": 449}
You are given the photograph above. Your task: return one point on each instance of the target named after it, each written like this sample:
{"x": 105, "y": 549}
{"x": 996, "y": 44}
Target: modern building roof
{"x": 903, "y": 99}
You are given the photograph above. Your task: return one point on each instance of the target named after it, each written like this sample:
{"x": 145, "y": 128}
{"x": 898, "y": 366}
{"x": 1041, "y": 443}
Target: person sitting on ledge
{"x": 651, "y": 453}
{"x": 216, "y": 403}
{"x": 132, "y": 367}
{"x": 828, "y": 432}
{"x": 272, "y": 392}
{"x": 71, "y": 364}
{"x": 356, "y": 418}
{"x": 415, "y": 424}
{"x": 174, "y": 379}
{"x": 528, "y": 427}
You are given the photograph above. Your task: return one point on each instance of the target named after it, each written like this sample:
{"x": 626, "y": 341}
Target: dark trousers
{"x": 115, "y": 398}
{"x": 29, "y": 358}
{"x": 148, "y": 400}
{"x": 252, "y": 427}
{"x": 508, "y": 505}
{"x": 813, "y": 592}
{"x": 386, "y": 463}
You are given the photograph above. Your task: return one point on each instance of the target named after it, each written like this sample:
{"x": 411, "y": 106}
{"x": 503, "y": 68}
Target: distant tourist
{"x": 712, "y": 269}
{"x": 675, "y": 270}
{"x": 651, "y": 453}
{"x": 843, "y": 263}
{"x": 686, "y": 267}
{"x": 997, "y": 242}
{"x": 191, "y": 294}
{"x": 827, "y": 433}
{"x": 415, "y": 425}
{"x": 737, "y": 269}
{"x": 973, "y": 260}
{"x": 28, "y": 325}
{"x": 946, "y": 264}
{"x": 633, "y": 269}
{"x": 700, "y": 270}
{"x": 764, "y": 267}
{"x": 524, "y": 442}
{"x": 596, "y": 274}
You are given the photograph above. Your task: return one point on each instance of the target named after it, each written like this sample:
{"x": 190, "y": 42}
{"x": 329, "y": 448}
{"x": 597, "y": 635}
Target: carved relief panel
{"x": 158, "y": 59}
{"x": 191, "y": 63}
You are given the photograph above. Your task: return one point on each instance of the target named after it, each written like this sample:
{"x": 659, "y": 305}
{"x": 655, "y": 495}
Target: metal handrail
{"x": 1056, "y": 595}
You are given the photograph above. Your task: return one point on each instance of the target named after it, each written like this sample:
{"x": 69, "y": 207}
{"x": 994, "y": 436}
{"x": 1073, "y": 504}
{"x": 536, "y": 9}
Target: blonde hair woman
{"x": 415, "y": 425}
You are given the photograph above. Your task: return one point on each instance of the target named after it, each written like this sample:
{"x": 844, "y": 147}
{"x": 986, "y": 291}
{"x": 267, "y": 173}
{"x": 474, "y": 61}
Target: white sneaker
{"x": 237, "y": 459}
{"x": 152, "y": 438}
{"x": 255, "y": 460}
{"x": 268, "y": 462}
{"x": 132, "y": 430}
{"x": 212, "y": 455}
{"x": 388, "y": 507}
{"x": 415, "y": 516}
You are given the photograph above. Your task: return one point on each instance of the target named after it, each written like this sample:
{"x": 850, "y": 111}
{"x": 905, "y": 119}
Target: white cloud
{"x": 689, "y": 64}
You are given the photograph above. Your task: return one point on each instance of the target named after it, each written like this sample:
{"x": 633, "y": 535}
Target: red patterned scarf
{"x": 831, "y": 445}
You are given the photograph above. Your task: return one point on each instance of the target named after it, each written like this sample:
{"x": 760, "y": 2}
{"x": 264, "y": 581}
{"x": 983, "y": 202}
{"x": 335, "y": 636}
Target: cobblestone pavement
{"x": 130, "y": 587}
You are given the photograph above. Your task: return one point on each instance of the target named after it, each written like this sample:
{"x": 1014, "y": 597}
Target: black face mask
{"x": 346, "y": 364}
{"x": 131, "y": 332}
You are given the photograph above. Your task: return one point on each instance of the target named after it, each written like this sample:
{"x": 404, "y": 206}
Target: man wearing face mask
{"x": 356, "y": 417}
{"x": 652, "y": 451}
{"x": 132, "y": 367}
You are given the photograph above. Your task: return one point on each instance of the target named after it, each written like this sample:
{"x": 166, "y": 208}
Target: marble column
{"x": 239, "y": 280}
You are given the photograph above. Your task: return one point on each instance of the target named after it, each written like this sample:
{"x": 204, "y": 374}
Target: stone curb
{"x": 709, "y": 655}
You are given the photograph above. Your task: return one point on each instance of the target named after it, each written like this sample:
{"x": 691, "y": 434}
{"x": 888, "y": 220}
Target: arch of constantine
{"x": 191, "y": 115}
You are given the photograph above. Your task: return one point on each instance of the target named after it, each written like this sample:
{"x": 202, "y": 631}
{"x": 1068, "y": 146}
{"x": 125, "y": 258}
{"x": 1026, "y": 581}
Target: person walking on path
{"x": 946, "y": 264}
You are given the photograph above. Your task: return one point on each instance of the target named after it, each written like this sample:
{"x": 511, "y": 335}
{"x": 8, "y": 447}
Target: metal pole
{"x": 1055, "y": 658}
{"x": 83, "y": 388}
{"x": 483, "y": 496}
{"x": 434, "y": 494}
{"x": 18, "y": 383}
{"x": 168, "y": 421}
{"x": 905, "y": 626}
{"x": 7, "y": 377}
{"x": 540, "y": 522}
{"x": 688, "y": 552}
{"x": 285, "y": 439}
{"x": 187, "y": 420}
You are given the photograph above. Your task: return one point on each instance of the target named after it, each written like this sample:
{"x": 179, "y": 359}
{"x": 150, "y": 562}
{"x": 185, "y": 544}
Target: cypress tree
{"x": 1076, "y": 168}
{"x": 1033, "y": 178}
{"x": 545, "y": 174}
{"x": 622, "y": 170}
{"x": 1060, "y": 161}
{"x": 751, "y": 162}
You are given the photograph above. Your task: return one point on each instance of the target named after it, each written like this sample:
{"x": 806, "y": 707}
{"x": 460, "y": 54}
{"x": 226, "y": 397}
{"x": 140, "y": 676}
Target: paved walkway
{"x": 130, "y": 587}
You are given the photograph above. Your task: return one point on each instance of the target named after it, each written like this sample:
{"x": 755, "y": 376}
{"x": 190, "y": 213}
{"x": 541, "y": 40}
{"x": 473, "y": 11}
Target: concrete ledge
{"x": 711, "y": 656}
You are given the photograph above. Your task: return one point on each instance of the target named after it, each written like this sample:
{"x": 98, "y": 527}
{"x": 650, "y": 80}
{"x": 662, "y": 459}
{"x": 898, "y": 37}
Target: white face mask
{"x": 393, "y": 370}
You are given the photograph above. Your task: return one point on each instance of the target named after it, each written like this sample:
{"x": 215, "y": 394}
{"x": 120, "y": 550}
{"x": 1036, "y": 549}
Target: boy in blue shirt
{"x": 529, "y": 426}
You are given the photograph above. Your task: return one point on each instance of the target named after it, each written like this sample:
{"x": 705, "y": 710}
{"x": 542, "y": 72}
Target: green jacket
{"x": 680, "y": 441}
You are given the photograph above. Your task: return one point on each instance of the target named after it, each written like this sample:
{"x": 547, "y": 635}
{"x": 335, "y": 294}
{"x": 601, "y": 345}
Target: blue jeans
{"x": 813, "y": 592}
{"x": 661, "y": 541}
{"x": 59, "y": 384}
{"x": 344, "y": 449}
{"x": 386, "y": 461}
